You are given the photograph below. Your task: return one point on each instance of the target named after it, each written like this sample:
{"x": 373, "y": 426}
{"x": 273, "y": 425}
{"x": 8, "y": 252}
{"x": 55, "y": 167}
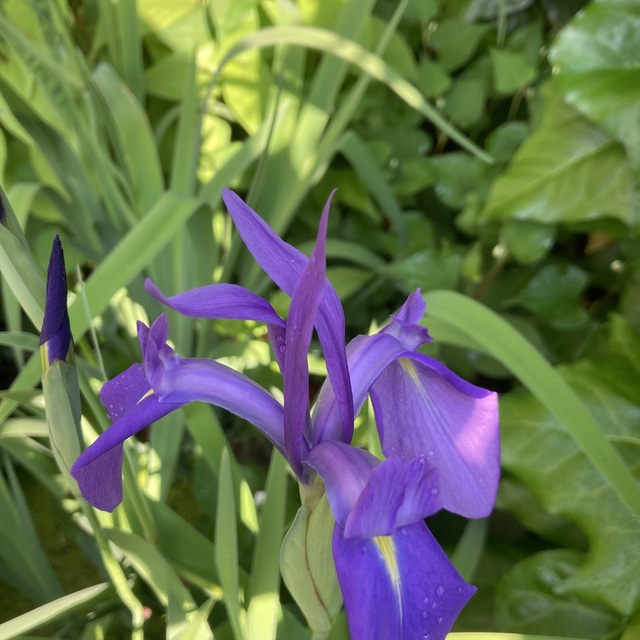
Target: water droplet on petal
{"x": 403, "y": 531}
{"x": 425, "y": 600}
{"x": 282, "y": 348}
{"x": 430, "y": 453}
{"x": 439, "y": 591}
{"x": 440, "y": 619}
{"x": 425, "y": 614}
{"x": 434, "y": 492}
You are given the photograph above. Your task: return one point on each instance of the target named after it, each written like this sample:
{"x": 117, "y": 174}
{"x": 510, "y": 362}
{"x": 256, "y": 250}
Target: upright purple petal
{"x": 284, "y": 265}
{"x": 305, "y": 302}
{"x": 98, "y": 470}
{"x": 422, "y": 408}
{"x": 404, "y": 323}
{"x": 56, "y": 330}
{"x": 226, "y": 301}
{"x": 401, "y": 586}
{"x": 218, "y": 301}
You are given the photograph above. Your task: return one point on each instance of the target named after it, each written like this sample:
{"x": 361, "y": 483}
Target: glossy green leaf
{"x": 568, "y": 170}
{"x": 511, "y": 70}
{"x": 554, "y": 294}
{"x": 455, "y": 41}
{"x": 597, "y": 59}
{"x": 539, "y": 452}
{"x": 530, "y": 600}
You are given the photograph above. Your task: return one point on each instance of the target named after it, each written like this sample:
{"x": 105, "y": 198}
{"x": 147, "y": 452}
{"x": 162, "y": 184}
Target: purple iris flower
{"x": 56, "y": 330}
{"x": 439, "y": 433}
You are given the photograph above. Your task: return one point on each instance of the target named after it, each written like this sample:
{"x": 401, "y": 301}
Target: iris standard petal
{"x": 367, "y": 357}
{"x": 404, "y": 323}
{"x": 98, "y": 470}
{"x": 56, "y": 330}
{"x": 226, "y": 301}
{"x": 218, "y": 301}
{"x": 283, "y": 263}
{"x": 422, "y": 408}
{"x": 401, "y": 586}
{"x": 305, "y": 301}
{"x": 194, "y": 379}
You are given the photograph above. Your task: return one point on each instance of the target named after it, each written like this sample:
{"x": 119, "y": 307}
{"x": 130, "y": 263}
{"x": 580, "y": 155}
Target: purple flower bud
{"x": 55, "y": 336}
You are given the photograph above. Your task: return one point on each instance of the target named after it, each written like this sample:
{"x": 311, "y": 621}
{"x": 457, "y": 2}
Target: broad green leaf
{"x": 432, "y": 79}
{"x": 428, "y": 269}
{"x": 455, "y": 41}
{"x": 568, "y": 170}
{"x": 530, "y": 599}
{"x": 526, "y": 240}
{"x": 83, "y": 599}
{"x": 553, "y": 294}
{"x": 538, "y": 451}
{"x": 511, "y": 70}
{"x": 597, "y": 58}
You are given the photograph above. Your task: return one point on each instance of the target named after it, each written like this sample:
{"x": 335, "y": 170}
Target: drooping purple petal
{"x": 194, "y": 379}
{"x": 283, "y": 263}
{"x": 422, "y": 408}
{"x": 305, "y": 300}
{"x": 345, "y": 471}
{"x": 371, "y": 498}
{"x": 122, "y": 393}
{"x": 397, "y": 494}
{"x": 98, "y": 470}
{"x": 56, "y": 330}
{"x": 401, "y": 586}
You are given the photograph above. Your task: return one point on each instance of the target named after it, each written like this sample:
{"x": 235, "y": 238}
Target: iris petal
{"x": 305, "y": 301}
{"x": 283, "y": 263}
{"x": 194, "y": 379}
{"x": 423, "y": 408}
{"x": 401, "y": 586}
{"x": 345, "y": 471}
{"x": 98, "y": 470}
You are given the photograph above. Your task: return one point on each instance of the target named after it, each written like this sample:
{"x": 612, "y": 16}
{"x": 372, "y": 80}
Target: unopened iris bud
{"x": 55, "y": 338}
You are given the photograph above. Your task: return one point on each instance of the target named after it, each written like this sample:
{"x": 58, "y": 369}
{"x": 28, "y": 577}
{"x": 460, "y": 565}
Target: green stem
{"x": 117, "y": 575}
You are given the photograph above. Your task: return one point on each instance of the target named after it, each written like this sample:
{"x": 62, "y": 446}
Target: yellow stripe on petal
{"x": 388, "y": 552}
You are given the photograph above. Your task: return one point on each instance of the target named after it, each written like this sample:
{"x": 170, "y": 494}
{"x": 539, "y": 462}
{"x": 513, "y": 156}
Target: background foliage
{"x": 487, "y": 151}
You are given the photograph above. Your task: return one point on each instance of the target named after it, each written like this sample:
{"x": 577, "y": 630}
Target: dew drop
{"x": 434, "y": 492}
{"x": 440, "y": 619}
{"x": 425, "y": 600}
{"x": 430, "y": 453}
{"x": 434, "y": 605}
{"x": 439, "y": 591}
{"x": 426, "y": 636}
{"x": 403, "y": 531}
{"x": 425, "y": 614}
{"x": 282, "y": 348}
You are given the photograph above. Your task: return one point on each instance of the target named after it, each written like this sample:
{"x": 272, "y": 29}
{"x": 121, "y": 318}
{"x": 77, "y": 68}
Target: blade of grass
{"x": 83, "y": 599}
{"x": 226, "y": 547}
{"x": 264, "y": 590}
{"x": 498, "y": 338}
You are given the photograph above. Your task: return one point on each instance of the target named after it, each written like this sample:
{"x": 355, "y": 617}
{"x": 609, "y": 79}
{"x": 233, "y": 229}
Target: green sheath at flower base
{"x": 307, "y": 567}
